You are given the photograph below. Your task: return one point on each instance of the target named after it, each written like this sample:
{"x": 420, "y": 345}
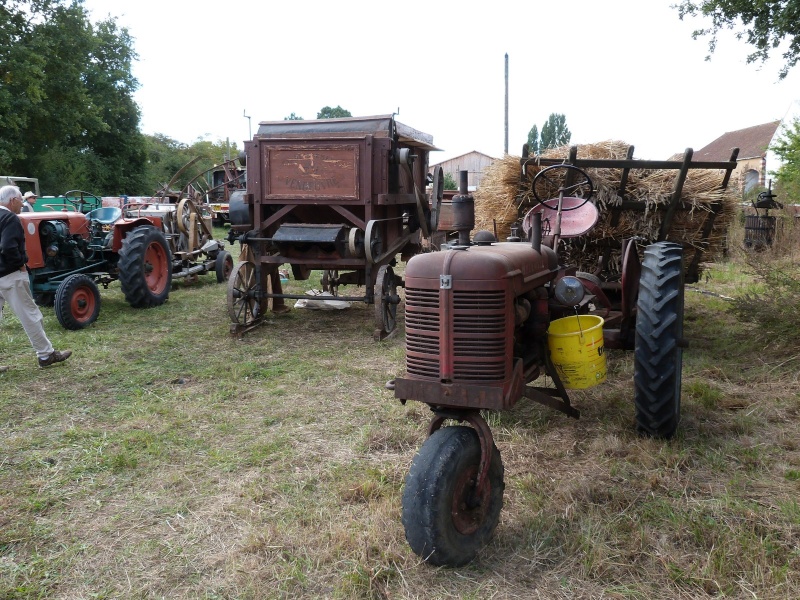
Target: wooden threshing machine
{"x": 343, "y": 196}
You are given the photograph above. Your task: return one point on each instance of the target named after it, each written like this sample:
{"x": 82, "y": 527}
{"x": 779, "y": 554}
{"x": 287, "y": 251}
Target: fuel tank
{"x": 514, "y": 262}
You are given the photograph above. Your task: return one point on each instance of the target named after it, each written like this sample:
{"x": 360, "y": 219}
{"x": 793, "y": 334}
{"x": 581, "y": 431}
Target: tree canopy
{"x": 764, "y": 25}
{"x": 788, "y": 149}
{"x": 333, "y": 113}
{"x": 555, "y": 133}
{"x": 67, "y": 114}
{"x": 533, "y": 140}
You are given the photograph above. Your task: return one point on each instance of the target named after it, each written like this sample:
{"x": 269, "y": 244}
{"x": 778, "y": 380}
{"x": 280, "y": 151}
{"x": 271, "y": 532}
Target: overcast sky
{"x": 618, "y": 69}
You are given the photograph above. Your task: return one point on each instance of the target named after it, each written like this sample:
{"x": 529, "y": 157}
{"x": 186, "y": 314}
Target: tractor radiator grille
{"x": 479, "y": 336}
{"x": 479, "y": 351}
{"x": 422, "y": 333}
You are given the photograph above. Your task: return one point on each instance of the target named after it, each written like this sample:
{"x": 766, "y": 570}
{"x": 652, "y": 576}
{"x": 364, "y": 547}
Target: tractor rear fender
{"x": 124, "y": 226}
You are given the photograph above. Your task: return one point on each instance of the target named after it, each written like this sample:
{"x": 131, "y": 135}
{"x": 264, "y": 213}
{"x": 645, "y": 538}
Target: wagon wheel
{"x": 386, "y": 301}
{"x": 445, "y": 523}
{"x": 330, "y": 281}
{"x": 244, "y": 295}
{"x": 658, "y": 357}
{"x": 186, "y": 208}
{"x": 184, "y": 215}
{"x": 547, "y": 186}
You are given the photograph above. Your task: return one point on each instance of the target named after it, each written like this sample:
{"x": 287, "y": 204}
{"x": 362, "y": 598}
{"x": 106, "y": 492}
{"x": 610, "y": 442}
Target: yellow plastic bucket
{"x": 576, "y": 349}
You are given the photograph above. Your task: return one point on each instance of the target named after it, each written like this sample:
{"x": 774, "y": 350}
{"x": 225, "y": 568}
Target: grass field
{"x": 167, "y": 459}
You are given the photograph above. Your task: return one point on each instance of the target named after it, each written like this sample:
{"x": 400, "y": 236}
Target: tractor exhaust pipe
{"x": 536, "y": 232}
{"x": 463, "y": 210}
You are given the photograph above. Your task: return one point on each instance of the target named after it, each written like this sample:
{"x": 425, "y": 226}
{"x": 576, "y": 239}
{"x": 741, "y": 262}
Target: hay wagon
{"x": 639, "y": 202}
{"x": 345, "y": 197}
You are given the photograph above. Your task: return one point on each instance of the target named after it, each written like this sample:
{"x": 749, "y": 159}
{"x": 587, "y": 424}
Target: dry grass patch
{"x": 167, "y": 459}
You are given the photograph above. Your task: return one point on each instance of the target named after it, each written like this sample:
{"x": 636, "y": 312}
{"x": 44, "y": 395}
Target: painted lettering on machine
{"x": 314, "y": 172}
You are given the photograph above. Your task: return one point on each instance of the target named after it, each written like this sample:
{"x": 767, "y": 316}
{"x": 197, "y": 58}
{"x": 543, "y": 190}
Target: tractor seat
{"x": 105, "y": 215}
{"x": 574, "y": 221}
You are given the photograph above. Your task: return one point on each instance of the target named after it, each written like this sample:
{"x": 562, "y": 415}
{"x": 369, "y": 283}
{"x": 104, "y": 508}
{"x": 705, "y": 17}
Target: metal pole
{"x": 506, "y": 144}
{"x": 249, "y": 128}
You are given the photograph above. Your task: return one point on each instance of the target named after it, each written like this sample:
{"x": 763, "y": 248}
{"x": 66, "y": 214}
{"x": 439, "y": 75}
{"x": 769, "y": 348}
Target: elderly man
{"x": 14, "y": 285}
{"x": 28, "y": 200}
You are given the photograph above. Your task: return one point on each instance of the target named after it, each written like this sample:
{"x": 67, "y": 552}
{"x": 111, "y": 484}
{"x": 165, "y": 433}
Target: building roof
{"x": 462, "y": 156}
{"x": 751, "y": 141}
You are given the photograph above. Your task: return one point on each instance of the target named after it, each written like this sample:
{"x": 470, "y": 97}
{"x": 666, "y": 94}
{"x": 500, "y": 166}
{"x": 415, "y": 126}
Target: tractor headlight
{"x": 569, "y": 291}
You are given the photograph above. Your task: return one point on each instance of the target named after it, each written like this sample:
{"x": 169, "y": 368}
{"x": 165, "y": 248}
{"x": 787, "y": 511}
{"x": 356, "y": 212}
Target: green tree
{"x": 533, "y": 140}
{"x": 788, "y": 149}
{"x": 764, "y": 24}
{"x": 293, "y": 117}
{"x": 67, "y": 114}
{"x": 555, "y": 132}
{"x": 333, "y": 113}
{"x": 450, "y": 182}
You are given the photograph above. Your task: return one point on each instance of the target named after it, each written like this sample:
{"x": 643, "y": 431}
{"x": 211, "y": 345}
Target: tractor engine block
{"x": 60, "y": 249}
{"x": 471, "y": 313}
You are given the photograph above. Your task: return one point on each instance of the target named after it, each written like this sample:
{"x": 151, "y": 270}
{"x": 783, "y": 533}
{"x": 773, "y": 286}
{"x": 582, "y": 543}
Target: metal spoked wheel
{"x": 330, "y": 281}
{"x": 445, "y": 521}
{"x": 658, "y": 357}
{"x": 386, "y": 301}
{"x": 244, "y": 295}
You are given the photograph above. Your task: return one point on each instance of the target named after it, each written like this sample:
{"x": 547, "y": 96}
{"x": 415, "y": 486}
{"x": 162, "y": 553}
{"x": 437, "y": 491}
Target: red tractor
{"x": 486, "y": 319}
{"x": 69, "y": 253}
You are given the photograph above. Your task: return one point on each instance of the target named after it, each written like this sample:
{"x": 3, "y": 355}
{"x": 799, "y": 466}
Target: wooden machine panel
{"x": 313, "y": 172}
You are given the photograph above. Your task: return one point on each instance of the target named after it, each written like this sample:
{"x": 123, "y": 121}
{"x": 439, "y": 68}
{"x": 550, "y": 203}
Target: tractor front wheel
{"x": 77, "y": 302}
{"x": 445, "y": 520}
{"x": 145, "y": 267}
{"x": 658, "y": 358}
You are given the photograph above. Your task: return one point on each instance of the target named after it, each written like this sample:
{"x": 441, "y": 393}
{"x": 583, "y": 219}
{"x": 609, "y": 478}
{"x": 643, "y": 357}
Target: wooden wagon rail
{"x": 626, "y": 165}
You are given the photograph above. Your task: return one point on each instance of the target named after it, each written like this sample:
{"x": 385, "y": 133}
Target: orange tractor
{"x": 70, "y": 252}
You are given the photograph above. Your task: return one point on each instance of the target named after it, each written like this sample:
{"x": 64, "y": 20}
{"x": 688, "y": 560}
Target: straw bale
{"x": 505, "y": 195}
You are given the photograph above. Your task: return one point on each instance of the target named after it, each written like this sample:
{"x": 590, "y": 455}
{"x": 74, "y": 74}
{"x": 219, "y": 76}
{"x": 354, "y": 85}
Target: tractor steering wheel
{"x": 547, "y": 186}
{"x": 83, "y": 202}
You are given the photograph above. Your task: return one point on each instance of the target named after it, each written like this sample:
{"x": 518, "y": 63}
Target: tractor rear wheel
{"x": 77, "y": 302}
{"x": 145, "y": 267}
{"x": 445, "y": 523}
{"x": 223, "y": 265}
{"x": 658, "y": 358}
